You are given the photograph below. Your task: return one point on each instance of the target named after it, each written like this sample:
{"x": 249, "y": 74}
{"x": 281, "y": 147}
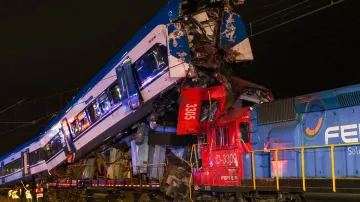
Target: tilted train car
{"x": 306, "y": 146}
{"x": 123, "y": 93}
{"x": 115, "y": 99}
{"x": 12, "y": 165}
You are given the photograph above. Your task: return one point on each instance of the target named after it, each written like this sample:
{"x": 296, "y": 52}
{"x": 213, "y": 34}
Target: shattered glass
{"x": 208, "y": 110}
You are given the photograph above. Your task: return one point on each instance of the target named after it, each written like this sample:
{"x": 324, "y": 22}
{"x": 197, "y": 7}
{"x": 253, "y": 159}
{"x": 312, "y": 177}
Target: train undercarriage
{"x": 291, "y": 190}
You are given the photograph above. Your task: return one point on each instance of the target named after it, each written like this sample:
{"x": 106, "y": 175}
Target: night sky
{"x": 50, "y": 49}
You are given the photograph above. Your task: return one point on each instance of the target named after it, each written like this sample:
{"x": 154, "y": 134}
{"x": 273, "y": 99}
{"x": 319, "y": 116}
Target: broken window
{"x": 150, "y": 64}
{"x": 208, "y": 110}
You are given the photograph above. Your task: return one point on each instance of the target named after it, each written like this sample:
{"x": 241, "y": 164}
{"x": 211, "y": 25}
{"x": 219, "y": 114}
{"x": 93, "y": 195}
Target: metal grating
{"x": 277, "y": 111}
{"x": 349, "y": 99}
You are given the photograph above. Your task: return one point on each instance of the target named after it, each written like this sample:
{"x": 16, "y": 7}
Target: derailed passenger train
{"x": 136, "y": 87}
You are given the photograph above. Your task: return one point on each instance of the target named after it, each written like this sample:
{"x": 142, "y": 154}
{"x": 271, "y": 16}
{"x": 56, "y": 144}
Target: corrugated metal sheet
{"x": 278, "y": 111}
{"x": 349, "y": 99}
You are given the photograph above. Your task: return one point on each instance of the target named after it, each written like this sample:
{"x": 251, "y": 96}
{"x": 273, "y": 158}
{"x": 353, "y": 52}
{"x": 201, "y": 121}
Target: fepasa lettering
{"x": 348, "y": 133}
{"x": 229, "y": 178}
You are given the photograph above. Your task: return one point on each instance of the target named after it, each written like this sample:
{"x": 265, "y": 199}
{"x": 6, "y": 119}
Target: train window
{"x": 148, "y": 65}
{"x": 144, "y": 67}
{"x": 222, "y": 136}
{"x": 115, "y": 94}
{"x": 74, "y": 127}
{"x": 34, "y": 157}
{"x": 104, "y": 103}
{"x": 93, "y": 110}
{"x": 84, "y": 122}
{"x": 55, "y": 145}
{"x": 2, "y": 171}
{"x": 160, "y": 55}
{"x": 244, "y": 131}
{"x": 207, "y": 112}
{"x": 13, "y": 166}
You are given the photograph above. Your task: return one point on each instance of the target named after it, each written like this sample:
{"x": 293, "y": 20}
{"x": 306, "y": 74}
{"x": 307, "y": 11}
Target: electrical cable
{"x": 296, "y": 18}
{"x": 34, "y": 122}
{"x": 19, "y": 102}
{"x": 279, "y": 11}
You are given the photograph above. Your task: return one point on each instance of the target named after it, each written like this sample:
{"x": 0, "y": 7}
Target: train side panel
{"x": 321, "y": 119}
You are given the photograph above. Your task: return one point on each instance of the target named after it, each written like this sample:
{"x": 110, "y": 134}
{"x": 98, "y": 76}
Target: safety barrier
{"x": 302, "y": 149}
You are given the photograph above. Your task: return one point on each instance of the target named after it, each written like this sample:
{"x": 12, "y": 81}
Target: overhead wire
{"x": 296, "y": 18}
{"x": 290, "y": 7}
{"x": 6, "y": 109}
{"x": 34, "y": 122}
{"x": 51, "y": 96}
{"x": 269, "y": 5}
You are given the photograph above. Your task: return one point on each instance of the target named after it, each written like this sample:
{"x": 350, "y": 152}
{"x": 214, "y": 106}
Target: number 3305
{"x": 190, "y": 111}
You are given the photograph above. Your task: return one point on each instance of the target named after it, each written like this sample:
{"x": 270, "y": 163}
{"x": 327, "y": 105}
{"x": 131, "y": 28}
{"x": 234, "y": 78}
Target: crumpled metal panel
{"x": 140, "y": 134}
{"x": 191, "y": 102}
{"x": 89, "y": 170}
{"x": 114, "y": 168}
{"x": 178, "y": 49}
{"x": 209, "y": 26}
{"x": 139, "y": 155}
{"x": 174, "y": 7}
{"x": 179, "y": 173}
{"x": 179, "y": 152}
{"x": 156, "y": 157}
{"x": 234, "y": 39}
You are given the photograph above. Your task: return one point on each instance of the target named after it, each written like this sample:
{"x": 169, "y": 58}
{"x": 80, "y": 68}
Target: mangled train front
{"x": 185, "y": 45}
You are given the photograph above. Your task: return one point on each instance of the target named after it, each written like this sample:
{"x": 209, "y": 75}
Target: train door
{"x": 127, "y": 84}
{"x": 69, "y": 147}
{"x": 244, "y": 134}
{"x": 25, "y": 161}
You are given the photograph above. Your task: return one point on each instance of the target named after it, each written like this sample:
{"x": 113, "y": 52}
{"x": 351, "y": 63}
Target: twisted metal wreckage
{"x": 207, "y": 37}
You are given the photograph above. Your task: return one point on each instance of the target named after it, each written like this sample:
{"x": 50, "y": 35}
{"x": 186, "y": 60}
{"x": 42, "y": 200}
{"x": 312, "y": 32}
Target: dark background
{"x": 50, "y": 49}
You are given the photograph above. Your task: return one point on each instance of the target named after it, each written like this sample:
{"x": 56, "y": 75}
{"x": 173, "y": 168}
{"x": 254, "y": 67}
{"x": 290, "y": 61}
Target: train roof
{"x": 341, "y": 97}
{"x": 346, "y": 96}
{"x": 162, "y": 17}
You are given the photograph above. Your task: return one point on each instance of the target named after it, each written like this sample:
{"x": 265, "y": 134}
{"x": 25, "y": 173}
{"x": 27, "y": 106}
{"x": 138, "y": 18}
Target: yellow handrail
{"x": 277, "y": 169}
{"x": 253, "y": 169}
{"x": 303, "y": 167}
{"x": 242, "y": 141}
{"x": 191, "y": 176}
{"x": 196, "y": 160}
{"x": 191, "y": 153}
{"x": 311, "y": 147}
{"x": 276, "y": 150}
{"x": 333, "y": 167}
